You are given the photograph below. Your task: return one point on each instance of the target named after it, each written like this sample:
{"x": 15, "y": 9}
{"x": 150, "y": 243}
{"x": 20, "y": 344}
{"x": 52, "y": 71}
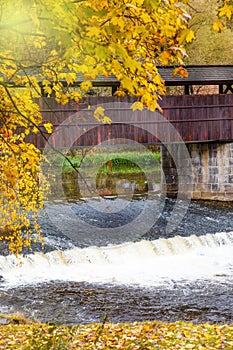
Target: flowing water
{"x": 184, "y": 274}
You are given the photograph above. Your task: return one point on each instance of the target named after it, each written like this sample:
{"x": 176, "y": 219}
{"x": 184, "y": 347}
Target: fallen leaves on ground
{"x": 137, "y": 335}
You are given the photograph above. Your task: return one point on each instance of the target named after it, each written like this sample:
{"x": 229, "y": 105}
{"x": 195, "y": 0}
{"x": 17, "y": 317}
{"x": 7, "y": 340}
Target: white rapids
{"x": 144, "y": 263}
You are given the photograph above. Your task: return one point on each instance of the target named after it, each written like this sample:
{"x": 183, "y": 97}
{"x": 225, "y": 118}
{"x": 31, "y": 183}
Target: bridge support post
{"x": 212, "y": 171}
{"x": 176, "y": 171}
{"x": 169, "y": 176}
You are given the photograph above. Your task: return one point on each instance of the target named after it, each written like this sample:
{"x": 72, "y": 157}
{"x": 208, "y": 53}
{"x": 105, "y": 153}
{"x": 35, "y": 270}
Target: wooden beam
{"x": 186, "y": 89}
{"x": 220, "y": 88}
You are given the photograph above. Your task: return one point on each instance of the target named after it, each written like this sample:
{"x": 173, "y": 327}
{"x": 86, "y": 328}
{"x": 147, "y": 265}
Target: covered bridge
{"x": 203, "y": 122}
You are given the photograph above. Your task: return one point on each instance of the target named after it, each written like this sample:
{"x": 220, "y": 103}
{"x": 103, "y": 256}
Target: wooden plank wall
{"x": 196, "y": 118}
{"x": 201, "y": 118}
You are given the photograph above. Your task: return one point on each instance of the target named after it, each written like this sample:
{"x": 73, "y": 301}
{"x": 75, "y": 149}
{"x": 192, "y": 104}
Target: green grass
{"x": 120, "y": 162}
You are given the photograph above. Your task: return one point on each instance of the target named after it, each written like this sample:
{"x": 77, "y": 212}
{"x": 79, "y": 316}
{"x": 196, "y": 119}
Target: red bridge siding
{"x": 201, "y": 118}
{"x": 197, "y": 118}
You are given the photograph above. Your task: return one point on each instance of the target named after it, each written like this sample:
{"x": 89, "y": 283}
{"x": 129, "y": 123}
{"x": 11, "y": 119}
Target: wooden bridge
{"x": 196, "y": 117}
{"x": 203, "y": 122}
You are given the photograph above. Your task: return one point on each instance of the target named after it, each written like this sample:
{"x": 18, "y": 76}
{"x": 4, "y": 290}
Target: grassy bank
{"x": 118, "y": 161}
{"x": 145, "y": 335}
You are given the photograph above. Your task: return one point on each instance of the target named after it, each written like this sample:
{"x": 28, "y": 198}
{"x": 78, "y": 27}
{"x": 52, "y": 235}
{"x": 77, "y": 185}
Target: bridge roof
{"x": 197, "y": 75}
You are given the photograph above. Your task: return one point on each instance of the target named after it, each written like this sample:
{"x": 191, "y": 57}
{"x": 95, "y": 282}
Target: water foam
{"x": 146, "y": 263}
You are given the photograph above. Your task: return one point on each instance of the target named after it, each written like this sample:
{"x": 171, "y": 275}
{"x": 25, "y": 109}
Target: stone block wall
{"x": 207, "y": 174}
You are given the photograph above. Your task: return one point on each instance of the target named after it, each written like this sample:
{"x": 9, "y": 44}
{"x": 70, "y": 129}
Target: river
{"x": 182, "y": 274}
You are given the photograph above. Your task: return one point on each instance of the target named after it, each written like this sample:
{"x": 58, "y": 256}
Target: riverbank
{"x": 107, "y": 160}
{"x": 143, "y": 335}
{"x": 103, "y": 172}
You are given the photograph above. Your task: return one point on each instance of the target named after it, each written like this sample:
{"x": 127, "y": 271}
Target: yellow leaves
{"x": 150, "y": 101}
{"x": 118, "y": 50}
{"x": 90, "y": 61}
{"x": 114, "y": 21}
{"x": 188, "y": 35}
{"x": 78, "y": 37}
{"x": 47, "y": 86}
{"x": 102, "y": 53}
{"x": 93, "y": 31}
{"x": 75, "y": 96}
{"x": 85, "y": 86}
{"x": 226, "y": 11}
{"x": 165, "y": 57}
{"x": 190, "y": 346}
{"x": 35, "y": 130}
{"x": 117, "y": 68}
{"x": 128, "y": 84}
{"x": 48, "y": 127}
{"x": 54, "y": 53}
{"x": 48, "y": 90}
{"x": 70, "y": 78}
{"x": 99, "y": 33}
{"x": 118, "y": 21}
{"x": 139, "y": 2}
{"x": 106, "y": 120}
{"x": 20, "y": 189}
{"x": 61, "y": 98}
{"x": 137, "y": 106}
{"x": 120, "y": 92}
{"x": 100, "y": 115}
{"x": 137, "y": 335}
{"x": 218, "y": 26}
{"x": 39, "y": 44}
{"x": 146, "y": 18}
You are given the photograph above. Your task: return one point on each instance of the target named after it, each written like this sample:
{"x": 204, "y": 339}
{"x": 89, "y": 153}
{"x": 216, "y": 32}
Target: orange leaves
{"x": 165, "y": 57}
{"x": 6, "y": 134}
{"x": 137, "y": 335}
{"x": 182, "y": 72}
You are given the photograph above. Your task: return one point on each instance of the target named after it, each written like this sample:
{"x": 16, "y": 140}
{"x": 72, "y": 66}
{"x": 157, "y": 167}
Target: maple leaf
{"x": 218, "y": 26}
{"x": 48, "y": 127}
{"x": 227, "y": 11}
{"x": 180, "y": 71}
{"x": 190, "y": 36}
{"x": 137, "y": 106}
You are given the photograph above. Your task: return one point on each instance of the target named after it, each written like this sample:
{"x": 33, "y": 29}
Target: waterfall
{"x": 144, "y": 262}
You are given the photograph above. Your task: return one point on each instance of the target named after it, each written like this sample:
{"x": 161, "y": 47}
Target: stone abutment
{"x": 207, "y": 174}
